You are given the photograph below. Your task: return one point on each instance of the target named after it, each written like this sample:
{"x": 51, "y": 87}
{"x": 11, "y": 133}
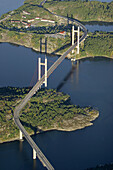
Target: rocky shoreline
{"x": 69, "y": 56}
{"x": 77, "y": 123}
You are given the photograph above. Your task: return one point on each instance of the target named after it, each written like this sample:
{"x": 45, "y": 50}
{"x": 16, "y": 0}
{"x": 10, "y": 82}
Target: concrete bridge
{"x": 36, "y": 151}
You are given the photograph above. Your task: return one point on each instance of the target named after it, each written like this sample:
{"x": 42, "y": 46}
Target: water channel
{"x": 89, "y": 82}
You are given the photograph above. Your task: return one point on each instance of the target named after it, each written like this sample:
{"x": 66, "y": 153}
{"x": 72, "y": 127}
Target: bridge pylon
{"x": 78, "y": 37}
{"x": 39, "y": 70}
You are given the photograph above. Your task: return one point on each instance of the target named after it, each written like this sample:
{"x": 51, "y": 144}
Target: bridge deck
{"x": 40, "y": 155}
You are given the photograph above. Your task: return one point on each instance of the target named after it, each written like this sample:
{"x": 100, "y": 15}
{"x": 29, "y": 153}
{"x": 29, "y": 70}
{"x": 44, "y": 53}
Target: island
{"x": 47, "y": 110}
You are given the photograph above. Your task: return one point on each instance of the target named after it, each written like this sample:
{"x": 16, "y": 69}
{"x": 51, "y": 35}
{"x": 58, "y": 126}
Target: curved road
{"x": 17, "y": 110}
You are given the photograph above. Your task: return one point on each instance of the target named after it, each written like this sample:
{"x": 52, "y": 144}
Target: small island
{"x": 46, "y": 110}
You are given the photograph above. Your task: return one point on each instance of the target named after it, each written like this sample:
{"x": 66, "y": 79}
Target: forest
{"x": 84, "y": 10}
{"x": 47, "y": 109}
{"x": 97, "y": 44}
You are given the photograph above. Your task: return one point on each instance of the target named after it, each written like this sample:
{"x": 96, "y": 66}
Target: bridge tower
{"x": 73, "y": 34}
{"x": 39, "y": 70}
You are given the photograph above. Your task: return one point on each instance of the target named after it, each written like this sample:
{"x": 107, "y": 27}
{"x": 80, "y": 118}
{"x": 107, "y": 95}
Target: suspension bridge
{"x": 36, "y": 150}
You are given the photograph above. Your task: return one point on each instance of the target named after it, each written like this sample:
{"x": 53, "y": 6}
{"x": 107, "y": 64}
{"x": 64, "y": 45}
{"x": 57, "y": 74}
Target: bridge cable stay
{"x": 34, "y": 77}
{"x": 50, "y": 62}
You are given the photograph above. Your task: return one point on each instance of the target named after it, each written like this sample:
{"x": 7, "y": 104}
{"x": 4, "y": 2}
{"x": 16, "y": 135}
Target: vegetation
{"x": 18, "y": 20}
{"x": 94, "y": 45}
{"x": 97, "y": 44}
{"x": 32, "y": 40}
{"x": 9, "y": 98}
{"x": 29, "y": 15}
{"x": 48, "y": 109}
{"x": 83, "y": 10}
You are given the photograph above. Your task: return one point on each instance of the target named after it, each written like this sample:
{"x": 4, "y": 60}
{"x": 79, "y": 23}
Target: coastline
{"x": 80, "y": 58}
{"x": 80, "y": 126}
{"x": 52, "y": 54}
{"x": 29, "y": 45}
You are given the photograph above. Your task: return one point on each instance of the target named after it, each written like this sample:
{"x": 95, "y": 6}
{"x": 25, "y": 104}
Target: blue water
{"x": 9, "y": 5}
{"x": 18, "y": 66}
{"x": 99, "y": 27}
{"x": 15, "y": 69}
{"x": 88, "y": 82}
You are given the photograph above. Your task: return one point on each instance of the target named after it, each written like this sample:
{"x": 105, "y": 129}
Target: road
{"x": 43, "y": 2}
{"x": 17, "y": 110}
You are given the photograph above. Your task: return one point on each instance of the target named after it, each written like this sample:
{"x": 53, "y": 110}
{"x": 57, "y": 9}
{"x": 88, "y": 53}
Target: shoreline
{"x": 70, "y": 129}
{"x": 85, "y": 57}
{"x": 32, "y": 48}
{"x": 54, "y": 55}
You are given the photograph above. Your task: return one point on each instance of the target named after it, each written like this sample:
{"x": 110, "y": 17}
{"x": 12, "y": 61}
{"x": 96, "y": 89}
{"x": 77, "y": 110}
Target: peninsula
{"x": 46, "y": 110}
{"x": 31, "y": 23}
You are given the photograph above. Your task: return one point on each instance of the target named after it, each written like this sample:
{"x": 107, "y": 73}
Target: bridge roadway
{"x": 43, "y": 2}
{"x": 17, "y": 110}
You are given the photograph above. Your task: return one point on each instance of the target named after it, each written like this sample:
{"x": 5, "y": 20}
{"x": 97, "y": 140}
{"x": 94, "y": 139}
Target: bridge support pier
{"x": 34, "y": 154}
{"x": 45, "y": 72}
{"x": 73, "y": 37}
{"x": 21, "y": 135}
{"x": 78, "y": 39}
{"x": 73, "y": 32}
{"x": 39, "y": 70}
{"x": 43, "y": 43}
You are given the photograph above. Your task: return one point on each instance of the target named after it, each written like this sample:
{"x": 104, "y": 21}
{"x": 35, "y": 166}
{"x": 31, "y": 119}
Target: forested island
{"x": 46, "y": 110}
{"x": 31, "y": 23}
